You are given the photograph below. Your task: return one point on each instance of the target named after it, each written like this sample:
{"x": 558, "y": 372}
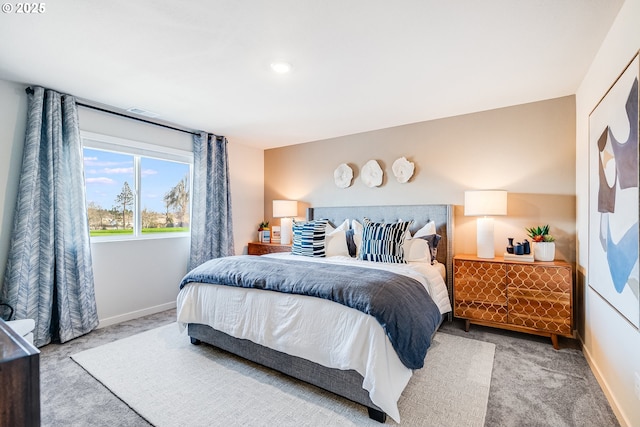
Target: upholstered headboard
{"x": 442, "y": 215}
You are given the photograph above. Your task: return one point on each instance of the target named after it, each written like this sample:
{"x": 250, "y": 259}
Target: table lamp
{"x": 483, "y": 204}
{"x": 286, "y": 210}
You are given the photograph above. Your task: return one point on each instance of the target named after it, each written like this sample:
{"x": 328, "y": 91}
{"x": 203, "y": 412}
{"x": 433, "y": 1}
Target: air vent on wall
{"x": 141, "y": 112}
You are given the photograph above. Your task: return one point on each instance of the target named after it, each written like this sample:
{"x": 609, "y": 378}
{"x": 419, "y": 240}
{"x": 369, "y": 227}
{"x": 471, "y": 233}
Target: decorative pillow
{"x": 433, "y": 240}
{"x": 417, "y": 250}
{"x": 336, "y": 243}
{"x": 382, "y": 242}
{"x": 351, "y": 244}
{"x": 428, "y": 229}
{"x": 357, "y": 228}
{"x": 344, "y": 227}
{"x": 309, "y": 238}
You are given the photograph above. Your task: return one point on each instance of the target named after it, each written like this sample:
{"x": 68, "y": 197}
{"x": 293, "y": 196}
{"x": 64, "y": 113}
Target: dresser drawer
{"x": 481, "y": 311}
{"x": 480, "y": 282}
{"x": 539, "y": 309}
{"x": 550, "y": 279}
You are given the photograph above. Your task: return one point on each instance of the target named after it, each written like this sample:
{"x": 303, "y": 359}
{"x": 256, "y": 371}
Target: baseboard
{"x": 624, "y": 422}
{"x": 135, "y": 314}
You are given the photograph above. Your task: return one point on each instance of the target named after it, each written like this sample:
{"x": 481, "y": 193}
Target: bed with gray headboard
{"x": 442, "y": 215}
{"x": 346, "y": 383}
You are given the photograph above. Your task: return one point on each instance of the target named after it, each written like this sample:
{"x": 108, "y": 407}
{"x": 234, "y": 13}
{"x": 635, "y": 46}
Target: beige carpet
{"x": 171, "y": 382}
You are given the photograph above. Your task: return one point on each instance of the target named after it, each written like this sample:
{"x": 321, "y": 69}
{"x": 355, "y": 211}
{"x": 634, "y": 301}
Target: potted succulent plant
{"x": 544, "y": 247}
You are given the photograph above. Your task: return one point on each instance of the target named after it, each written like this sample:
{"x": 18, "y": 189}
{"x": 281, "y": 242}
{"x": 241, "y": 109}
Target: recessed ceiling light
{"x": 281, "y": 67}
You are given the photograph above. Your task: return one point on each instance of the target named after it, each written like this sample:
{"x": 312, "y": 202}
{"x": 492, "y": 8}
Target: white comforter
{"x": 315, "y": 329}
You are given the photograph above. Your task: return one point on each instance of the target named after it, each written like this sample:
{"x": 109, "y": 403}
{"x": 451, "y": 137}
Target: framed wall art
{"x": 613, "y": 196}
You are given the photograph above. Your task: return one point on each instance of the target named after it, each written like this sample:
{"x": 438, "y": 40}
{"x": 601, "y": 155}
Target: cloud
{"x": 100, "y": 180}
{"x": 147, "y": 172}
{"x": 118, "y": 170}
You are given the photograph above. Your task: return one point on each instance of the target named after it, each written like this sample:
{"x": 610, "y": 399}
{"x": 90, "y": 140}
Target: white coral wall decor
{"x": 343, "y": 175}
{"x": 402, "y": 170}
{"x": 371, "y": 174}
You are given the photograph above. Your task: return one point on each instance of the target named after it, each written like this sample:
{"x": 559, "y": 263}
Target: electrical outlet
{"x": 637, "y": 384}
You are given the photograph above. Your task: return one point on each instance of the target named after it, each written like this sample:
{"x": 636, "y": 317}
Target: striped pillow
{"x": 309, "y": 237}
{"x": 382, "y": 242}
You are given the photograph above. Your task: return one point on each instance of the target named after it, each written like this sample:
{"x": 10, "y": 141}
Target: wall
{"x": 611, "y": 345}
{"x": 13, "y": 113}
{"x": 132, "y": 278}
{"x": 528, "y": 150}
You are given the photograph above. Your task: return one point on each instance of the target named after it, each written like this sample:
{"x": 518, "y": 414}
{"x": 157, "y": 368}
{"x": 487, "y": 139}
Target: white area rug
{"x": 171, "y": 382}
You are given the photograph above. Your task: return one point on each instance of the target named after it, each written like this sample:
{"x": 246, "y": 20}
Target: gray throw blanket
{"x": 401, "y": 304}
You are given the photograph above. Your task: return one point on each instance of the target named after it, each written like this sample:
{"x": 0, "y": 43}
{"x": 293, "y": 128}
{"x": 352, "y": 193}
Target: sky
{"x": 106, "y": 172}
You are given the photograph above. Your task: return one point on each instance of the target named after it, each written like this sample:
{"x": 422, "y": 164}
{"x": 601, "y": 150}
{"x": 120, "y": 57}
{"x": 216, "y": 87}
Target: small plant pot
{"x": 544, "y": 251}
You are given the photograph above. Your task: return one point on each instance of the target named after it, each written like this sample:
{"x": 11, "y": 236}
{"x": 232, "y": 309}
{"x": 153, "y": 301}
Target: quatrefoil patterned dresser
{"x": 531, "y": 297}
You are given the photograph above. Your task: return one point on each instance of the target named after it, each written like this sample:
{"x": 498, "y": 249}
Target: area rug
{"x": 171, "y": 382}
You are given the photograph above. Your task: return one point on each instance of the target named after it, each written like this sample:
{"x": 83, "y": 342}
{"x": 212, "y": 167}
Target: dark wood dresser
{"x": 19, "y": 380}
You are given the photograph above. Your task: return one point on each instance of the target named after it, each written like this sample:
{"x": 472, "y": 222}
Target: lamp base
{"x": 286, "y": 225}
{"x": 485, "y": 241}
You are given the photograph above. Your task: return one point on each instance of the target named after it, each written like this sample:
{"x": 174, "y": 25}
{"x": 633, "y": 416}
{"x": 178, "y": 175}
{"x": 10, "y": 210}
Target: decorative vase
{"x": 510, "y": 245}
{"x": 518, "y": 249}
{"x": 544, "y": 251}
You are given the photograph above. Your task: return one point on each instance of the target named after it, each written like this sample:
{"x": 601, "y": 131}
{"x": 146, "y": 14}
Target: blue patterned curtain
{"x": 49, "y": 276}
{"x": 211, "y": 223}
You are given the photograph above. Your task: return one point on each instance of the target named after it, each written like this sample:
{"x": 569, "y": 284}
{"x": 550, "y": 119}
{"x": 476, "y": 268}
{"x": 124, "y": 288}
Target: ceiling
{"x": 357, "y": 65}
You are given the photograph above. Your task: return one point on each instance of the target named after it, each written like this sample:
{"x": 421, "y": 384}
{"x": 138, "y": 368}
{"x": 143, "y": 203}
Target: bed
{"x": 337, "y": 348}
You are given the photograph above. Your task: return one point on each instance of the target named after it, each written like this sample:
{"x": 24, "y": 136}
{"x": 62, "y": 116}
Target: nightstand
{"x": 531, "y": 297}
{"x": 257, "y": 248}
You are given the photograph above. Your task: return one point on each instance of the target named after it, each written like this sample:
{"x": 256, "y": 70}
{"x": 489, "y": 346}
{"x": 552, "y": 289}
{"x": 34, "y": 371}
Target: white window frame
{"x": 139, "y": 149}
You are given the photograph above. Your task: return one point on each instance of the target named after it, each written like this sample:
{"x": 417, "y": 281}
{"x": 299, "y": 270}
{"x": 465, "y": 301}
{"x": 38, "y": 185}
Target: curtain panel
{"x": 211, "y": 222}
{"x": 49, "y": 275}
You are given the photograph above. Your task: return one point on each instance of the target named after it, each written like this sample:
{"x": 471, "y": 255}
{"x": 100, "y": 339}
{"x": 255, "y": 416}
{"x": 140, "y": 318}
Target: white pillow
{"x": 336, "y": 243}
{"x": 342, "y": 227}
{"x": 416, "y": 250}
{"x": 335, "y": 240}
{"x": 428, "y": 229}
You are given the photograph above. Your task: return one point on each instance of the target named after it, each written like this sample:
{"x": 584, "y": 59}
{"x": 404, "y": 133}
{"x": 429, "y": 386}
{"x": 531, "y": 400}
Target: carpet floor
{"x": 531, "y": 385}
{"x": 202, "y": 386}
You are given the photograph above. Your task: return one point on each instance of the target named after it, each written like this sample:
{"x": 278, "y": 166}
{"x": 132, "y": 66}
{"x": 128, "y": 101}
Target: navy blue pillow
{"x": 351, "y": 244}
{"x": 433, "y": 240}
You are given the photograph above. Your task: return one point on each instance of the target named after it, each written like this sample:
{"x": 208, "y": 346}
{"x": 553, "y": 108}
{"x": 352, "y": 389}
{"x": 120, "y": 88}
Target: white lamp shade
{"x": 285, "y": 208}
{"x": 485, "y": 202}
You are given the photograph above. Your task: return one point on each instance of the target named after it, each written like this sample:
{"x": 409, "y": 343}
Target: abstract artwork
{"x": 613, "y": 196}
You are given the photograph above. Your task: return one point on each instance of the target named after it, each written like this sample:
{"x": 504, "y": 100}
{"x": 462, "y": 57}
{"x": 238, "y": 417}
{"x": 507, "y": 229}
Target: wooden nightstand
{"x": 532, "y": 297}
{"x": 257, "y": 248}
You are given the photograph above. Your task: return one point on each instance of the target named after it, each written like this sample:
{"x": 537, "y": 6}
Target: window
{"x": 135, "y": 189}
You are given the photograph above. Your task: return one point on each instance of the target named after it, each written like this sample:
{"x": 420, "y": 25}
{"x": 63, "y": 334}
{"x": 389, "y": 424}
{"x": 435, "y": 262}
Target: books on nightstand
{"x": 275, "y": 234}
{"x": 514, "y": 257}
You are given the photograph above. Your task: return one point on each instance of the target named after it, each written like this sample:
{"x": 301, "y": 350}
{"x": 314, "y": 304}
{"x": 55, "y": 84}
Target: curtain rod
{"x": 140, "y": 119}
{"x": 29, "y": 90}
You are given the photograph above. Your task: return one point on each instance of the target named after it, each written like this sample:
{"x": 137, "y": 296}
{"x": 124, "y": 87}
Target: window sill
{"x": 129, "y": 238}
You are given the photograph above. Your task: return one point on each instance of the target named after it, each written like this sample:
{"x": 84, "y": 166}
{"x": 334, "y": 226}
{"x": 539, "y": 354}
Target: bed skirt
{"x": 347, "y": 384}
